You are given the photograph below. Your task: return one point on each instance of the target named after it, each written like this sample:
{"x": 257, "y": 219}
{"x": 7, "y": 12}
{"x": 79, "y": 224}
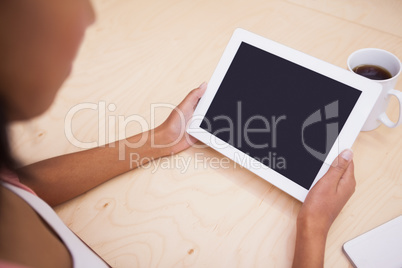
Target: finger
{"x": 190, "y": 139}
{"x": 192, "y": 98}
{"x": 347, "y": 184}
{"x": 201, "y": 89}
{"x": 340, "y": 165}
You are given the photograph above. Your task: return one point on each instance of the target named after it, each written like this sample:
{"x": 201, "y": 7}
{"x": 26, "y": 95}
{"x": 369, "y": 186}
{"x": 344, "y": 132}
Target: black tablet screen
{"x": 280, "y": 113}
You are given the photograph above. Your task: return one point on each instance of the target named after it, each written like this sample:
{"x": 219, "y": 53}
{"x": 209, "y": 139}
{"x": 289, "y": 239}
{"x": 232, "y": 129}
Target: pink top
{"x": 12, "y": 178}
{"x": 6, "y": 264}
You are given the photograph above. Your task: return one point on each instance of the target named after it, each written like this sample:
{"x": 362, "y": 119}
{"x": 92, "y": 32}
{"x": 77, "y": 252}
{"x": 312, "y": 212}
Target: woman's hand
{"x": 76, "y": 173}
{"x": 327, "y": 198}
{"x": 171, "y": 135}
{"x": 322, "y": 205}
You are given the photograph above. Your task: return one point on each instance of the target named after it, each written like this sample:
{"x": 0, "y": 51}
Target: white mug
{"x": 388, "y": 61}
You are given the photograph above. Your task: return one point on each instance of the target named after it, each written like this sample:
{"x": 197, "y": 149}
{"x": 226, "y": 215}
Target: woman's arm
{"x": 322, "y": 205}
{"x": 64, "y": 177}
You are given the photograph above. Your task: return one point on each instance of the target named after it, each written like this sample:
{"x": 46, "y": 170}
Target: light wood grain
{"x": 144, "y": 52}
{"x": 381, "y": 15}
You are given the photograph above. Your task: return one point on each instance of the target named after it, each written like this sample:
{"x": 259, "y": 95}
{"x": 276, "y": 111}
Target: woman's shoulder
{"x": 26, "y": 238}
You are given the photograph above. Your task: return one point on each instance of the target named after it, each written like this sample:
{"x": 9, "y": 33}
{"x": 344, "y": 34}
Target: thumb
{"x": 341, "y": 163}
{"x": 192, "y": 98}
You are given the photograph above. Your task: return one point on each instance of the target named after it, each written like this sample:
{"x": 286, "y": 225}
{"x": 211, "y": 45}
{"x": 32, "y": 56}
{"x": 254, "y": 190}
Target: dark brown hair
{"x": 6, "y": 159}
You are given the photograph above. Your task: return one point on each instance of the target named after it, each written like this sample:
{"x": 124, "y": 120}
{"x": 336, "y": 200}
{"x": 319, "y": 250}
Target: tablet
{"x": 280, "y": 113}
{"x": 379, "y": 247}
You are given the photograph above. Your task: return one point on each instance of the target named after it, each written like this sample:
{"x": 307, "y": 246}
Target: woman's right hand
{"x": 327, "y": 198}
{"x": 323, "y": 204}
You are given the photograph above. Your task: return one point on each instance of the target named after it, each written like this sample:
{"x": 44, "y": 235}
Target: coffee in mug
{"x": 372, "y": 72}
{"x": 384, "y": 68}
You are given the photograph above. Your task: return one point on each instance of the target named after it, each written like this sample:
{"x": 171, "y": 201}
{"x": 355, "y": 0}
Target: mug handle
{"x": 384, "y": 118}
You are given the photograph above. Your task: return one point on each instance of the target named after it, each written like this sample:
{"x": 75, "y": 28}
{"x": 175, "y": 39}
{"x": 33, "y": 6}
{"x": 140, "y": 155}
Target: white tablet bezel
{"x": 370, "y": 91}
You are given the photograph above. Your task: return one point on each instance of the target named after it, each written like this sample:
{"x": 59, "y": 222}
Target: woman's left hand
{"x": 171, "y": 135}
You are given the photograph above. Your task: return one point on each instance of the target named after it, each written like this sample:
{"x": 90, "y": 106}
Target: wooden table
{"x": 144, "y": 52}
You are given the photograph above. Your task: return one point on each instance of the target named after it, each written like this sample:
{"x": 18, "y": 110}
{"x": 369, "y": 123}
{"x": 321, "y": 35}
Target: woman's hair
{"x": 6, "y": 159}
